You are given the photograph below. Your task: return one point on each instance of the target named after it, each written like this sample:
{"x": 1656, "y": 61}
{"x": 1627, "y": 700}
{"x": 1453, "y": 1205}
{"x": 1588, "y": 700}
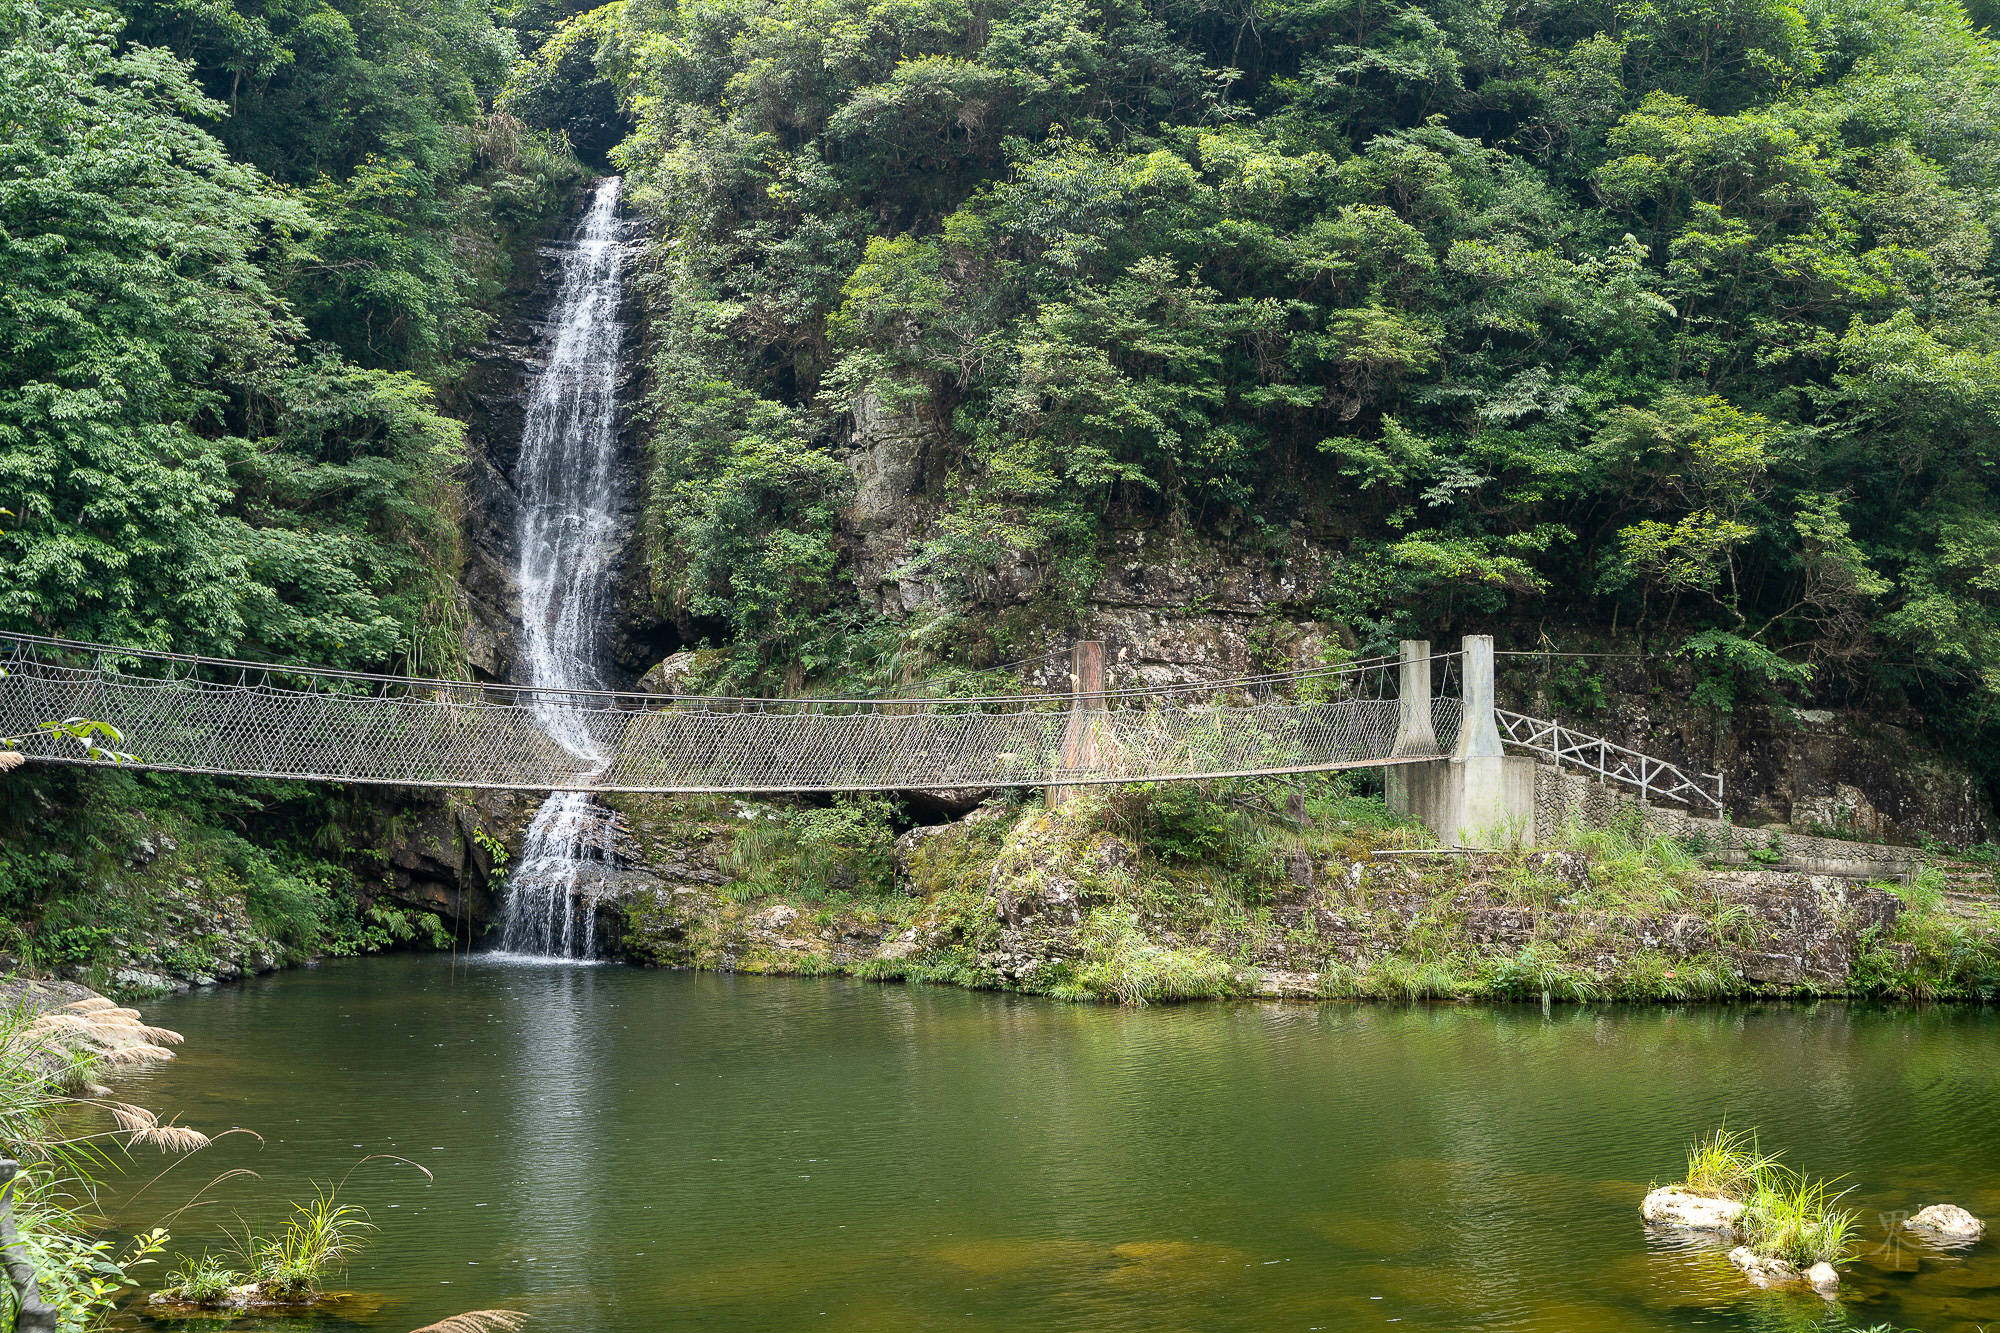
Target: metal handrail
{"x": 1611, "y": 761}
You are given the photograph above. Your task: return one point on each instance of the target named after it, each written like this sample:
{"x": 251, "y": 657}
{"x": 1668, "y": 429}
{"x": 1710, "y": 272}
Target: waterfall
{"x": 568, "y": 532}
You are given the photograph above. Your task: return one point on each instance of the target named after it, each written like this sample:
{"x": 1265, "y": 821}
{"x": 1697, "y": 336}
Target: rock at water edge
{"x": 1824, "y": 1280}
{"x": 1762, "y": 1270}
{"x": 1948, "y": 1221}
{"x": 1672, "y": 1206}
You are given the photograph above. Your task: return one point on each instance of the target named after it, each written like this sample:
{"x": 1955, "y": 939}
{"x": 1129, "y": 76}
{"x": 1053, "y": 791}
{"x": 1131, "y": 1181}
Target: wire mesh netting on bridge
{"x": 197, "y": 715}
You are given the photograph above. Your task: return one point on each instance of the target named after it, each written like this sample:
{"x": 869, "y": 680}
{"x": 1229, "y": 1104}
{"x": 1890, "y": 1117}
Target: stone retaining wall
{"x": 1563, "y": 797}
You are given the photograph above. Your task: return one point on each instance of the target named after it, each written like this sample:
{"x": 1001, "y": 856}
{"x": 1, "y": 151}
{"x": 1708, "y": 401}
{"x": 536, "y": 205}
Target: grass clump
{"x": 1786, "y": 1214}
{"x": 1631, "y": 869}
{"x": 1932, "y": 952}
{"x": 1123, "y": 965}
{"x": 1797, "y": 1218}
{"x": 202, "y": 1281}
{"x": 1727, "y": 1164}
{"x": 319, "y": 1238}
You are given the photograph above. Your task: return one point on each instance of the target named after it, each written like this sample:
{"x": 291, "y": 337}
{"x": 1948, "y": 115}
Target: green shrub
{"x": 812, "y": 852}
{"x": 202, "y": 1281}
{"x": 1121, "y": 964}
{"x": 1178, "y": 822}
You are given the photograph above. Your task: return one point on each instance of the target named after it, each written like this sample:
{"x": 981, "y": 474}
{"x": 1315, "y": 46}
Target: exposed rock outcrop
{"x": 1946, "y": 1221}
{"x": 1763, "y": 1270}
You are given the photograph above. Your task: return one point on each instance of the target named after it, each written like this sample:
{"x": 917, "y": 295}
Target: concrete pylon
{"x": 1480, "y": 795}
{"x": 1479, "y": 732}
{"x": 1405, "y": 786}
{"x": 1415, "y": 734}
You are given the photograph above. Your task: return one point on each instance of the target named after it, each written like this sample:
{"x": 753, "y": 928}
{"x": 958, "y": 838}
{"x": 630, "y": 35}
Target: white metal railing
{"x": 1655, "y": 778}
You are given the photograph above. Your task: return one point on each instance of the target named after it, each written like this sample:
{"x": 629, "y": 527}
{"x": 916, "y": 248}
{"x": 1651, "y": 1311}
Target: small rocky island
{"x": 1789, "y": 1227}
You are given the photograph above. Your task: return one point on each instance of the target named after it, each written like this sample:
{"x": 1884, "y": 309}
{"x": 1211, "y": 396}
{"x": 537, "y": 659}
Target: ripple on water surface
{"x": 621, "y": 1151}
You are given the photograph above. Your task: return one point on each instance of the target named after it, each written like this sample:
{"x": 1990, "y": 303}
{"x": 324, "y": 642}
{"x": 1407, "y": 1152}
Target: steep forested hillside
{"x": 245, "y": 249}
{"x": 1668, "y": 318}
{"x": 1675, "y": 315}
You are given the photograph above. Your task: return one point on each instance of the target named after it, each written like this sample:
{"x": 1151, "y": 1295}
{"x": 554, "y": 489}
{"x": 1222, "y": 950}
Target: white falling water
{"x": 569, "y": 539}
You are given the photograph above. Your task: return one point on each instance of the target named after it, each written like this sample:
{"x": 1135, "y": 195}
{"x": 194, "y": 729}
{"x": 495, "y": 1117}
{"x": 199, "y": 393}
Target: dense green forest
{"x": 1671, "y": 317}
{"x": 247, "y": 249}
{"x": 1674, "y": 316}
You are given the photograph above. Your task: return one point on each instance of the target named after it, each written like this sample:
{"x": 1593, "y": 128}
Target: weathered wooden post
{"x": 1080, "y": 751}
{"x": 31, "y": 1313}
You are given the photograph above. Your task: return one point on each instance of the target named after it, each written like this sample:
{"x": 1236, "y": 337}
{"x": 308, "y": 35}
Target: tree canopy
{"x": 1674, "y": 315}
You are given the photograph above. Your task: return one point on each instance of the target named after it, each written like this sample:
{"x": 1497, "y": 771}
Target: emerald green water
{"x": 616, "y": 1150}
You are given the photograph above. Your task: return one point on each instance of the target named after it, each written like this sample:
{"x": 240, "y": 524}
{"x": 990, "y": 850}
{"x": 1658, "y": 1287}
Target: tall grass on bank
{"x": 1120, "y": 964}
{"x": 52, "y": 1120}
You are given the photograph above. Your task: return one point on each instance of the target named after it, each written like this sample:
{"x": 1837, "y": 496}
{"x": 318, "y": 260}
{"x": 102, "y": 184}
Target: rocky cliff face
{"x": 493, "y": 405}
{"x": 1050, "y": 902}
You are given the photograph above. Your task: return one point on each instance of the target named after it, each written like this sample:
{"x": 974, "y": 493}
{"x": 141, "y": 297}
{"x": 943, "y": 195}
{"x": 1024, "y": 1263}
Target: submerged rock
{"x": 1947, "y": 1221}
{"x": 1765, "y": 1271}
{"x": 1673, "y": 1206}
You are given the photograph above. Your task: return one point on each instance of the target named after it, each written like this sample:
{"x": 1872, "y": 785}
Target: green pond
{"x": 615, "y": 1150}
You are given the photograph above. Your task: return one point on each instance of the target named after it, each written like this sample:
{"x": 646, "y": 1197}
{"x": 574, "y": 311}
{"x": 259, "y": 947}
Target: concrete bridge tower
{"x": 1479, "y": 795}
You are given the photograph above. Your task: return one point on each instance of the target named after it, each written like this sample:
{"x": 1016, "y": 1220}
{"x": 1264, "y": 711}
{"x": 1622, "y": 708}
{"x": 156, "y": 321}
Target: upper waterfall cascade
{"x": 567, "y": 484}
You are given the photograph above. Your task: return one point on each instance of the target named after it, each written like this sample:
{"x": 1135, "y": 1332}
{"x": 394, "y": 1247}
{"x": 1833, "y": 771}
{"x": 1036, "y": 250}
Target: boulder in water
{"x": 1674, "y": 1206}
{"x": 1764, "y": 1270}
{"x": 1946, "y": 1221}
{"x": 1824, "y": 1279}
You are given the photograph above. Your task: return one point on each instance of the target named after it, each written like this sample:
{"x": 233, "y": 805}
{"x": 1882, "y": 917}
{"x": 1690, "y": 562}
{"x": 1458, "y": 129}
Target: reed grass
{"x": 1786, "y": 1214}
{"x": 1798, "y": 1218}
{"x": 52, "y": 1119}
{"x": 479, "y": 1321}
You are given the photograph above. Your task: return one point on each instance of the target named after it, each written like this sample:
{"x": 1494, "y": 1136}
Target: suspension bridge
{"x": 227, "y": 718}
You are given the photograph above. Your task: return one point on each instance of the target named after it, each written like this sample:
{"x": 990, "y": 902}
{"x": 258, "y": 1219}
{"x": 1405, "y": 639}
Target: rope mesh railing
{"x": 232, "y": 718}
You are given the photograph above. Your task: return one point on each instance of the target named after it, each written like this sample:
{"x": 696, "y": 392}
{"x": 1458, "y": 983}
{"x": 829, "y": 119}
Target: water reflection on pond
{"x": 617, "y": 1150}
